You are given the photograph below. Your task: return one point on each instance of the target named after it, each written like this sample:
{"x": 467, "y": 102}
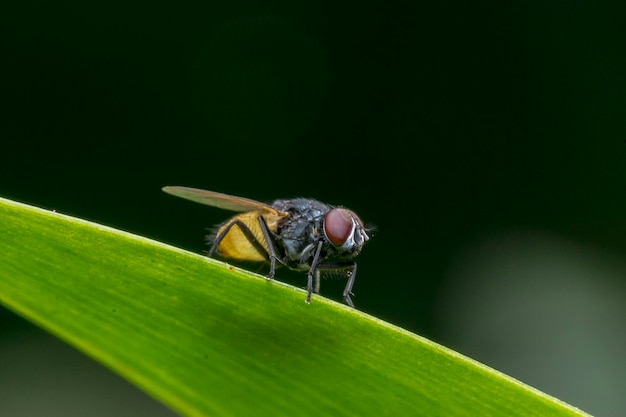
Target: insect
{"x": 302, "y": 234}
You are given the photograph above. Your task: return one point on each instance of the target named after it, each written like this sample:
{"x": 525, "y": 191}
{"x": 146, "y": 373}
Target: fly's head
{"x": 345, "y": 231}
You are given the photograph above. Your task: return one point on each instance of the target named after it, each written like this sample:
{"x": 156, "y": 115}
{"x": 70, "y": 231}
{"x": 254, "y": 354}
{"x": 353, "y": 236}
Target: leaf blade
{"x": 200, "y": 335}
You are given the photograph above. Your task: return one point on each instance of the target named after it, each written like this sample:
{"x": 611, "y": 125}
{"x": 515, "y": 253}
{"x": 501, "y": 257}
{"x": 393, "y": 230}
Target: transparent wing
{"x": 223, "y": 201}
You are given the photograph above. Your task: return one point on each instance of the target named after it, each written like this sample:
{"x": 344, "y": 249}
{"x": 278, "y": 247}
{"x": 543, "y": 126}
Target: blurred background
{"x": 485, "y": 141}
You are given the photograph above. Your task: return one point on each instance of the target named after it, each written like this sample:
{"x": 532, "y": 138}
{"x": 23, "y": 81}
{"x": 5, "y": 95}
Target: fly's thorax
{"x": 298, "y": 234}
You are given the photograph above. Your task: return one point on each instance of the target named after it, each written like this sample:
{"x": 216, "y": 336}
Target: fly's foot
{"x": 348, "y": 300}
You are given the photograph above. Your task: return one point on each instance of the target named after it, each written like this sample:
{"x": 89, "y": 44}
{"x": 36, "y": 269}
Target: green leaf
{"x": 208, "y": 339}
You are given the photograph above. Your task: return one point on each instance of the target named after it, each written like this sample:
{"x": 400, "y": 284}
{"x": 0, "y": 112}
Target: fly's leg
{"x": 316, "y": 288}
{"x": 313, "y": 270}
{"x": 268, "y": 240}
{"x": 351, "y": 267}
{"x": 347, "y": 292}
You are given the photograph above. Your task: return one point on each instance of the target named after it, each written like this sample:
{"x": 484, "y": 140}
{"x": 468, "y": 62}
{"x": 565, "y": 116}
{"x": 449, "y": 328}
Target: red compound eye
{"x": 338, "y": 226}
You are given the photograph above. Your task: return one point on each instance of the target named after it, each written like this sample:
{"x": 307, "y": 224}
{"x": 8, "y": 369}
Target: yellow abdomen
{"x": 237, "y": 245}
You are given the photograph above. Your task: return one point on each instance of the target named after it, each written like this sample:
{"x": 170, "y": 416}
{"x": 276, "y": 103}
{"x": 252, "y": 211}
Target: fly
{"x": 301, "y": 233}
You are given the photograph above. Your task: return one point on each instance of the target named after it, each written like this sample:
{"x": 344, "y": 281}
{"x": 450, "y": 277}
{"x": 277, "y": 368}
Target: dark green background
{"x": 467, "y": 132}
